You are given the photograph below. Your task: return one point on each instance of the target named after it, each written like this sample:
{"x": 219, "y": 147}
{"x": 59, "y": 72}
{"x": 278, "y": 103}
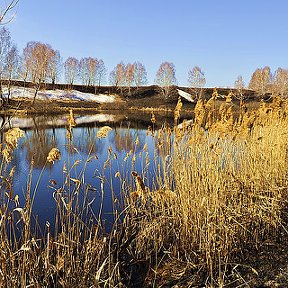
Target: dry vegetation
{"x": 221, "y": 196}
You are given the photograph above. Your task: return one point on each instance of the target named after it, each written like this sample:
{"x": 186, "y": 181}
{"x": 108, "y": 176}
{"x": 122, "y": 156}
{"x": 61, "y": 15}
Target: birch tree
{"x": 12, "y": 66}
{"x": 101, "y": 72}
{"x": 5, "y": 45}
{"x": 261, "y": 80}
{"x": 55, "y": 67}
{"x": 165, "y": 77}
{"x": 117, "y": 75}
{"x": 5, "y": 11}
{"x": 71, "y": 67}
{"x": 280, "y": 82}
{"x": 37, "y": 64}
{"x": 87, "y": 69}
{"x": 196, "y": 80}
{"x": 239, "y": 86}
{"x": 129, "y": 75}
{"x": 27, "y": 61}
{"x": 140, "y": 74}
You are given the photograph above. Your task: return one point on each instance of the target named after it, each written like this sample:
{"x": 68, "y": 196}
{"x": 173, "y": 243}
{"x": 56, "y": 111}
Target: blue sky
{"x": 225, "y": 38}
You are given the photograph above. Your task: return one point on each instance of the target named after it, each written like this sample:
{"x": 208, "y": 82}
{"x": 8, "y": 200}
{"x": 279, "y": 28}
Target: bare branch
{"x": 4, "y": 11}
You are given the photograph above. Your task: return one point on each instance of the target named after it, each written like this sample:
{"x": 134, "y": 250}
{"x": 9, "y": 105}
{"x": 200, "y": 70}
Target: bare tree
{"x": 5, "y": 45}
{"x": 129, "y": 76}
{"x": 43, "y": 56}
{"x": 88, "y": 68}
{"x": 5, "y": 9}
{"x": 12, "y": 65}
{"x": 197, "y": 81}
{"x": 261, "y": 80}
{"x": 280, "y": 82}
{"x": 140, "y": 74}
{"x": 37, "y": 64}
{"x": 117, "y": 76}
{"x": 254, "y": 81}
{"x": 165, "y": 77}
{"x": 55, "y": 67}
{"x": 92, "y": 71}
{"x": 239, "y": 85}
{"x": 71, "y": 66}
{"x": 27, "y": 61}
{"x": 101, "y": 72}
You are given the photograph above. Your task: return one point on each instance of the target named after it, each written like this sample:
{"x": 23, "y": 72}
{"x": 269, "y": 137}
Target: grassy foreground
{"x": 222, "y": 198}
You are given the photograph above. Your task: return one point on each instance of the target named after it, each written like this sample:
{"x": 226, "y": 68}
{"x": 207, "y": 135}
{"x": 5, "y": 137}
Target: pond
{"x": 97, "y": 169}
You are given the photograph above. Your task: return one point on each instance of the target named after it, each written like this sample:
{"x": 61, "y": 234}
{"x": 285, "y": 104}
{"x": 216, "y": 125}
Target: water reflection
{"x": 88, "y": 158}
{"x": 38, "y": 143}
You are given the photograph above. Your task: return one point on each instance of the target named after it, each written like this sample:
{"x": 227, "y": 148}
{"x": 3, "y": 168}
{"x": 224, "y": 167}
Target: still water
{"x": 96, "y": 162}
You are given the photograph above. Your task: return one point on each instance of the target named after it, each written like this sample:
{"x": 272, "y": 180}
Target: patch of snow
{"x": 95, "y": 118}
{"x": 28, "y": 123}
{"x": 16, "y": 122}
{"x": 185, "y": 95}
{"x": 185, "y": 124}
{"x": 21, "y": 92}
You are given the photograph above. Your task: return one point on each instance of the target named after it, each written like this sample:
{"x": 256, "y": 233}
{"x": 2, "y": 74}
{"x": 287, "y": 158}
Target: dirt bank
{"x": 135, "y": 98}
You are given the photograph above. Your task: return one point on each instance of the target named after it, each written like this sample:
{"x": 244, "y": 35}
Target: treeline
{"x": 40, "y": 63}
{"x": 263, "y": 81}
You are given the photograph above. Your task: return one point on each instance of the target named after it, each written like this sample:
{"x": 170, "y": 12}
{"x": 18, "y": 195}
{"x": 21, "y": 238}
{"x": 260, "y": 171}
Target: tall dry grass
{"x": 72, "y": 251}
{"x": 226, "y": 193}
{"x": 220, "y": 191}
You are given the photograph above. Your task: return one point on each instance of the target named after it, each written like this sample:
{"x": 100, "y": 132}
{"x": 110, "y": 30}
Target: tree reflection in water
{"x": 38, "y": 145}
{"x": 125, "y": 149}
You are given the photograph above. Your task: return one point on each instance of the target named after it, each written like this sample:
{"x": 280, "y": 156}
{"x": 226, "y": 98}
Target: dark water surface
{"x": 94, "y": 161}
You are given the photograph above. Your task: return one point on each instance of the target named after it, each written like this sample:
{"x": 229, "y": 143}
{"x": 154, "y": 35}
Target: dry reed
{"x": 103, "y": 131}
{"x": 221, "y": 190}
{"x": 53, "y": 155}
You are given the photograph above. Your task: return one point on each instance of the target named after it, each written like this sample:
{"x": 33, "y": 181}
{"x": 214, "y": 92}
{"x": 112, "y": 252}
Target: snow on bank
{"x": 21, "y": 92}
{"x": 185, "y": 95}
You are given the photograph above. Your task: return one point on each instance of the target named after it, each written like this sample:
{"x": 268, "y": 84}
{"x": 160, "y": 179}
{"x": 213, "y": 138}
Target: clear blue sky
{"x": 225, "y": 38}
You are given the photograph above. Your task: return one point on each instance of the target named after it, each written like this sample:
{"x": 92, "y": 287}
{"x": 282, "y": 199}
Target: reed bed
{"x": 220, "y": 194}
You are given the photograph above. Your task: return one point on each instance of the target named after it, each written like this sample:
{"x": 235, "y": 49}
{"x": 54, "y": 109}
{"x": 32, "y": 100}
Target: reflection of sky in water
{"x": 37, "y": 144}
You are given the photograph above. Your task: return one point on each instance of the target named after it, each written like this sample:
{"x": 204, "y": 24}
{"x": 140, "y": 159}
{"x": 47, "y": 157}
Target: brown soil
{"x": 137, "y": 98}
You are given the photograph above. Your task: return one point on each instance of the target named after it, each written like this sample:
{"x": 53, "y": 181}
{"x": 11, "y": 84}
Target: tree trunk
{"x": 9, "y": 89}
{"x": 1, "y": 94}
{"x": 37, "y": 87}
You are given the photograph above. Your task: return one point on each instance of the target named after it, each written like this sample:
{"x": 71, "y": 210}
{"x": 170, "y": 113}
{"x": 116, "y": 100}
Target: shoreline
{"x": 155, "y": 103}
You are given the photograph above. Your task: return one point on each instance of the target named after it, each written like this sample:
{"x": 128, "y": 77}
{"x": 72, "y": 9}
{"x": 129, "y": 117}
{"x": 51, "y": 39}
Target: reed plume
{"x": 177, "y": 110}
{"x": 153, "y": 119}
{"x": 11, "y": 142}
{"x": 71, "y": 119}
{"x": 54, "y": 155}
{"x": 103, "y": 131}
